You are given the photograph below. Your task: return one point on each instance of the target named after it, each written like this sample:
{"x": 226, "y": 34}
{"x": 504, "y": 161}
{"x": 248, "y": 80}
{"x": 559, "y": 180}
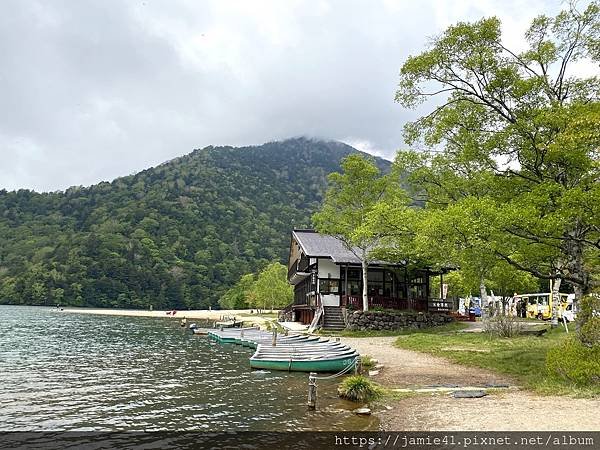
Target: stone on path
{"x": 362, "y": 411}
{"x": 469, "y": 394}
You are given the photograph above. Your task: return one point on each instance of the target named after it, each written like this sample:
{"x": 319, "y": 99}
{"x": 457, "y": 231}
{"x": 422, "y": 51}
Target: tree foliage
{"x": 238, "y": 296}
{"x": 271, "y": 289}
{"x": 351, "y": 197}
{"x": 514, "y": 144}
{"x": 174, "y": 236}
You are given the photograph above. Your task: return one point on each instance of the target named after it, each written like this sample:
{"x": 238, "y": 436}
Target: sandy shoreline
{"x": 242, "y": 314}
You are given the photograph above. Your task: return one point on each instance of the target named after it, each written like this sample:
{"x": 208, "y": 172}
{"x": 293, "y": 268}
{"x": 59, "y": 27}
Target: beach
{"x": 247, "y": 315}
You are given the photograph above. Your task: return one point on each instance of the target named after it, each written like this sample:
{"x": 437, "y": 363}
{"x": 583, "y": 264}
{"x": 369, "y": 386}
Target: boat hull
{"x": 316, "y": 365}
{"x": 298, "y": 353}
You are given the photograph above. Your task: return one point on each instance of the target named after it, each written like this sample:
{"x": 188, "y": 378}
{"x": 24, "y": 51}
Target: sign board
{"x": 439, "y": 305}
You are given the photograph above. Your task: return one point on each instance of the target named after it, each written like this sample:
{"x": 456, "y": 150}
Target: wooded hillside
{"x": 174, "y": 236}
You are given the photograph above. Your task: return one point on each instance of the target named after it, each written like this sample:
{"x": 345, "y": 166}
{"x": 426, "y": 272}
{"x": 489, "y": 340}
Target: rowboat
{"x": 291, "y": 352}
{"x": 281, "y": 341}
{"x": 202, "y": 331}
{"x": 251, "y": 337}
{"x": 265, "y": 349}
{"x": 228, "y": 324}
{"x": 324, "y": 362}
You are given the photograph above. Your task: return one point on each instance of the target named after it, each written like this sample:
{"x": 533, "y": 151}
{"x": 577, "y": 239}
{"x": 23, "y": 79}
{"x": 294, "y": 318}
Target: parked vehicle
{"x": 568, "y": 313}
{"x": 475, "y": 310}
{"x": 539, "y": 305}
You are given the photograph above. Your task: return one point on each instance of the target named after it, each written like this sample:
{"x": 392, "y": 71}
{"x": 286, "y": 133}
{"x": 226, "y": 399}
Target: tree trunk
{"x": 365, "y": 293}
{"x": 483, "y": 295}
{"x": 573, "y": 250}
{"x": 578, "y": 290}
{"x": 555, "y": 301}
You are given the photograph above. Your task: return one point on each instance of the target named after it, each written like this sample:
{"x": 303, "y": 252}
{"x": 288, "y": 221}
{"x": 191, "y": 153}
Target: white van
{"x": 569, "y": 314}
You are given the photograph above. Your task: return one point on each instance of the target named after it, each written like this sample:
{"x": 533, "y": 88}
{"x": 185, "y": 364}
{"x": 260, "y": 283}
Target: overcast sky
{"x": 93, "y": 90}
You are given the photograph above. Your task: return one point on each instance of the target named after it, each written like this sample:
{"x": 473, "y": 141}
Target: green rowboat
{"x": 328, "y": 363}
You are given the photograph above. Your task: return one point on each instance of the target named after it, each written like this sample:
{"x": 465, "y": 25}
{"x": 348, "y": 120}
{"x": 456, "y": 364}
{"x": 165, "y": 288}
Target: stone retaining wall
{"x": 393, "y": 320}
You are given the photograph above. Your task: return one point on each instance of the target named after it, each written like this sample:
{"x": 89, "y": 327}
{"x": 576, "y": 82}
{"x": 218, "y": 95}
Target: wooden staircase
{"x": 333, "y": 319}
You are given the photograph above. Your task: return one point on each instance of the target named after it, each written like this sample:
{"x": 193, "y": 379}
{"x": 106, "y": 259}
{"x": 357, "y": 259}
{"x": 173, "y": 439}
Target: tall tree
{"x": 238, "y": 296}
{"x": 350, "y": 198}
{"x": 271, "y": 288}
{"x": 519, "y": 131}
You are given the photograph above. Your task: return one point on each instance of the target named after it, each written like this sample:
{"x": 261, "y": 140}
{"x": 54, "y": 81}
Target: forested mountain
{"x": 173, "y": 236}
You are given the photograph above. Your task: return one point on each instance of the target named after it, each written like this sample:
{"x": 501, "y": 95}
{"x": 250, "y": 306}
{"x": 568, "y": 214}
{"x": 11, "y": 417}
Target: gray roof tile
{"x": 317, "y": 245}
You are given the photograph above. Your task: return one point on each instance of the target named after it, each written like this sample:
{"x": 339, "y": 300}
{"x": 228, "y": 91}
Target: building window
{"x": 329, "y": 286}
{"x": 354, "y": 274}
{"x": 353, "y": 287}
{"x": 375, "y": 275}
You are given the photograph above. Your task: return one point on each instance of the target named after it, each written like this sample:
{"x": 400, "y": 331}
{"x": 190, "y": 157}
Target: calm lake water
{"x": 63, "y": 371}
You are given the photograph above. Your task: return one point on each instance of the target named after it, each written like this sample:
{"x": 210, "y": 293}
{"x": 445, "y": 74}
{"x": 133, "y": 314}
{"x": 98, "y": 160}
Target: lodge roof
{"x": 316, "y": 245}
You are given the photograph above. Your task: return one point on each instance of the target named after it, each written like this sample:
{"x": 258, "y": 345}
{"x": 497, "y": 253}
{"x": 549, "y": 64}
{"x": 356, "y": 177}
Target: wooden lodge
{"x": 326, "y": 273}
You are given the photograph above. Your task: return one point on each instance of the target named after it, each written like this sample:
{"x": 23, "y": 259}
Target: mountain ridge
{"x": 174, "y": 235}
{"x": 381, "y": 162}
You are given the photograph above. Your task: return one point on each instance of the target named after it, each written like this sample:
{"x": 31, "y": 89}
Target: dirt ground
{"x": 246, "y": 315}
{"x": 501, "y": 410}
{"x": 405, "y": 368}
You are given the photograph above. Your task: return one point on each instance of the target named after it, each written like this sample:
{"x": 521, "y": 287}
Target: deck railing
{"x": 378, "y": 301}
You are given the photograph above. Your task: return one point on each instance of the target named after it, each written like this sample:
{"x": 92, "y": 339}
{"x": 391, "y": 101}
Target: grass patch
{"x": 446, "y": 328}
{"x": 575, "y": 362}
{"x": 521, "y": 357}
{"x": 391, "y": 394}
{"x": 367, "y": 363}
{"x": 369, "y": 333}
{"x": 268, "y": 315}
{"x": 357, "y": 388}
{"x": 271, "y": 315}
{"x": 272, "y": 325}
{"x": 442, "y": 329}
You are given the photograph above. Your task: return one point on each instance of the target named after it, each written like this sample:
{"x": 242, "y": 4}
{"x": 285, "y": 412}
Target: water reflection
{"x": 62, "y": 371}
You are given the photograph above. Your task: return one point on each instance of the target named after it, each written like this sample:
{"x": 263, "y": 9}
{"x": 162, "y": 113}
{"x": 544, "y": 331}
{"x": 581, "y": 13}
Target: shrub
{"x": 588, "y": 321}
{"x": 366, "y": 362}
{"x": 357, "y": 388}
{"x": 503, "y": 326}
{"x": 572, "y": 361}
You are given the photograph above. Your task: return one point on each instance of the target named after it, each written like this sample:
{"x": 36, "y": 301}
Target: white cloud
{"x": 366, "y": 146}
{"x": 95, "y": 90}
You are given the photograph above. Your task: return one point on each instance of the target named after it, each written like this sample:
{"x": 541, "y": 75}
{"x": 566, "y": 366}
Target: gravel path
{"x": 509, "y": 411}
{"x": 501, "y": 411}
{"x": 406, "y": 368}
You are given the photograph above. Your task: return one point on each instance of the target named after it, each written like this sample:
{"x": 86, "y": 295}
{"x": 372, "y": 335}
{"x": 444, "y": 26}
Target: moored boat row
{"x": 292, "y": 352}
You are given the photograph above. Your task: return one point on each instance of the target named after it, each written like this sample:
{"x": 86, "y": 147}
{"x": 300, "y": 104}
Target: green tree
{"x": 174, "y": 236}
{"x": 350, "y": 198}
{"x": 271, "y": 288}
{"x": 517, "y": 131}
{"x": 237, "y": 296}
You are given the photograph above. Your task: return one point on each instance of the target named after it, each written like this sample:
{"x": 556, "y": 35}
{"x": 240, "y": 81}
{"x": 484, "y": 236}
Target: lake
{"x": 81, "y": 372}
